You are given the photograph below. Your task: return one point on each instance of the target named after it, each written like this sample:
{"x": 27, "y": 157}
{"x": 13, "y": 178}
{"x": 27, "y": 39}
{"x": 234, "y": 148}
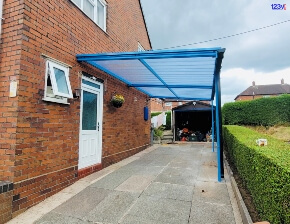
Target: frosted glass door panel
{"x": 89, "y": 118}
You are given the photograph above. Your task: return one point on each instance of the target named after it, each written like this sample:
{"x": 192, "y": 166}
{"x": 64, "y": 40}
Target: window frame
{"x": 140, "y": 47}
{"x": 56, "y": 96}
{"x": 55, "y": 89}
{"x": 95, "y": 16}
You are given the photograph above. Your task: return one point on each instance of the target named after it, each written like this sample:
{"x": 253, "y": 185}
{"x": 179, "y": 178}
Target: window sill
{"x": 56, "y": 100}
{"x": 104, "y": 30}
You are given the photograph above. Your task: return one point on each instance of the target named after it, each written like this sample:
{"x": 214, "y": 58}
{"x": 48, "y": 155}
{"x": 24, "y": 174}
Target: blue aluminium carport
{"x": 191, "y": 74}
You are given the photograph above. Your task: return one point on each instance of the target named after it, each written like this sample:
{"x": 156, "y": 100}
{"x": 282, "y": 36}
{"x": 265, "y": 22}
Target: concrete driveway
{"x": 167, "y": 184}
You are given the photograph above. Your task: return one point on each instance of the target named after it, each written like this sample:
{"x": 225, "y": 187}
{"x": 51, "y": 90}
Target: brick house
{"x": 57, "y": 123}
{"x": 158, "y": 105}
{"x": 259, "y": 91}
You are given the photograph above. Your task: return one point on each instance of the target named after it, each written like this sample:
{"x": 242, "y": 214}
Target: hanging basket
{"x": 117, "y": 101}
{"x": 116, "y": 104}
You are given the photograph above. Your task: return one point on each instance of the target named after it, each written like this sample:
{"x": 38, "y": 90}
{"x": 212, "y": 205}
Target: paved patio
{"x": 167, "y": 184}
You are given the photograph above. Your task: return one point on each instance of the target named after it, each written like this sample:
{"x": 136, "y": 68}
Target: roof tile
{"x": 272, "y": 89}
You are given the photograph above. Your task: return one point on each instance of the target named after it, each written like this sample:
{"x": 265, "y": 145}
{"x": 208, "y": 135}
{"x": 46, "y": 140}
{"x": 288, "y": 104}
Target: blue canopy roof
{"x": 192, "y": 74}
{"x": 172, "y": 74}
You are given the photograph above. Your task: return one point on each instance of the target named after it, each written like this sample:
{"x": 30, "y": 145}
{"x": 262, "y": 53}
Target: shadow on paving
{"x": 173, "y": 184}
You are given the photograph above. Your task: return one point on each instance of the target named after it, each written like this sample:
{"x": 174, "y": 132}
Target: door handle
{"x": 98, "y": 126}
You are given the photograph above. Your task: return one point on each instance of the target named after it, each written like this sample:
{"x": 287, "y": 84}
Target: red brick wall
{"x": 242, "y": 98}
{"x": 41, "y": 138}
{"x": 174, "y": 104}
{"x": 10, "y": 49}
{"x": 5, "y": 206}
{"x": 6, "y": 194}
{"x": 158, "y": 105}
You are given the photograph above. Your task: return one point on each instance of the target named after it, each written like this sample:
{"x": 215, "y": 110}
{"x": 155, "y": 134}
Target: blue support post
{"x": 219, "y": 128}
{"x": 212, "y": 125}
{"x": 217, "y": 132}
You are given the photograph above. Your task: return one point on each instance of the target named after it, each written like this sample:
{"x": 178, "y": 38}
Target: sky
{"x": 262, "y": 56}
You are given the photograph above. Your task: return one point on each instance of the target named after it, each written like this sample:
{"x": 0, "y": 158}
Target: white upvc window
{"x": 57, "y": 84}
{"x": 96, "y": 10}
{"x": 140, "y": 47}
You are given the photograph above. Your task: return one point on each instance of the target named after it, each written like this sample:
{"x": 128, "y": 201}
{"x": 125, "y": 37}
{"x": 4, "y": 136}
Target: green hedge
{"x": 264, "y": 170}
{"x": 153, "y": 114}
{"x": 263, "y": 111}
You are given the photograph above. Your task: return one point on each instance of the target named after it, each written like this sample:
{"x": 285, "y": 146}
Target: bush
{"x": 168, "y": 120}
{"x": 263, "y": 111}
{"x": 158, "y": 132}
{"x": 264, "y": 170}
{"x": 153, "y": 114}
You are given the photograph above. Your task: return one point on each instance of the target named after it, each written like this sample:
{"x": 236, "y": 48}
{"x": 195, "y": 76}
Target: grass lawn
{"x": 279, "y": 132}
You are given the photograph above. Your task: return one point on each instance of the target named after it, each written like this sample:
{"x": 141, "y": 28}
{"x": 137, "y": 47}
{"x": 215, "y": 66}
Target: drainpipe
{"x": 173, "y": 124}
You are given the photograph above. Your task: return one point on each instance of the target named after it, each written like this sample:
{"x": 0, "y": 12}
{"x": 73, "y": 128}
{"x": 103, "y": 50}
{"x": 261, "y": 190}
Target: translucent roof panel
{"x": 194, "y": 92}
{"x": 173, "y": 74}
{"x": 173, "y": 70}
{"x": 133, "y": 71}
{"x": 159, "y": 92}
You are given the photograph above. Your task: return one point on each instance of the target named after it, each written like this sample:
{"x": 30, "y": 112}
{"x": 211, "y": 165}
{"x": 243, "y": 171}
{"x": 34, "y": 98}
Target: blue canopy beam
{"x": 157, "y": 76}
{"x": 171, "y": 86}
{"x": 194, "y": 53}
{"x": 181, "y": 98}
{"x": 115, "y": 75}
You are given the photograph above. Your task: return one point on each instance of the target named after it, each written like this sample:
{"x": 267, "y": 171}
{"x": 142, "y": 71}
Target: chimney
{"x": 282, "y": 81}
{"x": 253, "y": 83}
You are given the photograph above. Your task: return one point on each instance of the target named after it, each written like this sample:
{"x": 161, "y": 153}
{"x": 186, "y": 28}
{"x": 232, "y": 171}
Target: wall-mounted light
{"x": 147, "y": 100}
{"x": 77, "y": 93}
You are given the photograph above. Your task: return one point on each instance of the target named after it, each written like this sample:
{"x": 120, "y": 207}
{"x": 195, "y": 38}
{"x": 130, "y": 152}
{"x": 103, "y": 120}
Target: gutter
{"x": 144, "y": 23}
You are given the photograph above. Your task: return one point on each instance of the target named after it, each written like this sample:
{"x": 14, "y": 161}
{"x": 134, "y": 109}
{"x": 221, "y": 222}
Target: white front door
{"x": 91, "y": 113}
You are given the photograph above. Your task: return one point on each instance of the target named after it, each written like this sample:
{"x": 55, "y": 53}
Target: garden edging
{"x": 246, "y": 218}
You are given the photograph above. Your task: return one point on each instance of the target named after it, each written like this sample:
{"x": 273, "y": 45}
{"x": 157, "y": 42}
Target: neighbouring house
{"x": 159, "y": 105}
{"x": 57, "y": 123}
{"x": 259, "y": 91}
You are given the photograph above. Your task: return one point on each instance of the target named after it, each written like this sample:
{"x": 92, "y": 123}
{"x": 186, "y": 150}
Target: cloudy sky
{"x": 262, "y": 56}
